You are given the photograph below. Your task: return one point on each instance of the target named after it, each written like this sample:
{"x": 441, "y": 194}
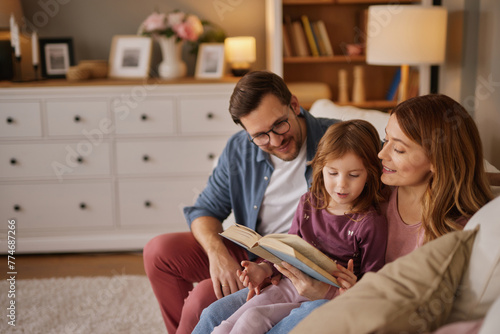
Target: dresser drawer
{"x": 78, "y": 118}
{"x": 175, "y": 156}
{"x": 20, "y": 119}
{"x": 206, "y": 116}
{"x": 59, "y": 205}
{"x": 158, "y": 202}
{"x": 55, "y": 160}
{"x": 149, "y": 117}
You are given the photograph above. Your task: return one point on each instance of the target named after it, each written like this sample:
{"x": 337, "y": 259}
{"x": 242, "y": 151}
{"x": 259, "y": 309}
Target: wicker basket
{"x": 75, "y": 73}
{"x": 98, "y": 68}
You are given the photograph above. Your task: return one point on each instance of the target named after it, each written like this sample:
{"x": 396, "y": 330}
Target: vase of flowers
{"x": 171, "y": 31}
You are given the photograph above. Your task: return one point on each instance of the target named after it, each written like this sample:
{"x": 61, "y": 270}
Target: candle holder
{"x": 18, "y": 76}
{"x": 35, "y": 70}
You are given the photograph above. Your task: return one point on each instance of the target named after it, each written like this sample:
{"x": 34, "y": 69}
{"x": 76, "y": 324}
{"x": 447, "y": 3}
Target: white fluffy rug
{"x": 82, "y": 305}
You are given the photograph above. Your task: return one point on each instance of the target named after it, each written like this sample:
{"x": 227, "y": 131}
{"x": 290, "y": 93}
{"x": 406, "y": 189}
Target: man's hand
{"x": 223, "y": 270}
{"x": 223, "y": 266}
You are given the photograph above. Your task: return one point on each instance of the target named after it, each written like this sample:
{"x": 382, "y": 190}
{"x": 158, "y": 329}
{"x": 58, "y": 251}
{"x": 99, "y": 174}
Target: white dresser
{"x": 106, "y": 166}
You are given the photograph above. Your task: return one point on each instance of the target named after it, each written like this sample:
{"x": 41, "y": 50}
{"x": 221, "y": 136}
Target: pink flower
{"x": 190, "y": 29}
{"x": 154, "y": 22}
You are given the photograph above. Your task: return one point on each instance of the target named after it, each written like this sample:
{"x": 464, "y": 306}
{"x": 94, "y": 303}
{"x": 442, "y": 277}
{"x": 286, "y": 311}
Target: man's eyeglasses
{"x": 279, "y": 128}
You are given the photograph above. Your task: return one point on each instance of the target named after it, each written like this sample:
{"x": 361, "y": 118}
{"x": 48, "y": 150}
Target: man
{"x": 260, "y": 176}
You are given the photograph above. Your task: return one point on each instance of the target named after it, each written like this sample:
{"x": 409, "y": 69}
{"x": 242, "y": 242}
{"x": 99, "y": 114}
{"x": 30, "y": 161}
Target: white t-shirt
{"x": 283, "y": 193}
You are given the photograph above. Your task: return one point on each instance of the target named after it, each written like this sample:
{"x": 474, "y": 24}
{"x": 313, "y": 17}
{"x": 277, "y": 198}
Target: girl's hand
{"x": 254, "y": 276}
{"x": 306, "y": 286}
{"x": 345, "y": 277}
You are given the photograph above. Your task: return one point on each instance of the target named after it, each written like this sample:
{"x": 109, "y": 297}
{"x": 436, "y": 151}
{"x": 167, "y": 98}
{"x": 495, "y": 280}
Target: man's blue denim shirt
{"x": 242, "y": 174}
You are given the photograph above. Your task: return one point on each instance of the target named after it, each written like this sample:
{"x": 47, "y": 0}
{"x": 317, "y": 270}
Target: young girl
{"x": 339, "y": 215}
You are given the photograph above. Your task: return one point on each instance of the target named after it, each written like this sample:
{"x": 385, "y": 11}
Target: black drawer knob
{"x": 77, "y": 119}
{"x": 211, "y": 156}
{"x": 210, "y": 115}
{"x": 10, "y": 120}
{"x": 13, "y": 161}
{"x": 147, "y": 204}
{"x": 83, "y": 206}
{"x": 79, "y": 160}
{"x": 17, "y": 207}
{"x": 144, "y": 117}
{"x": 145, "y": 157}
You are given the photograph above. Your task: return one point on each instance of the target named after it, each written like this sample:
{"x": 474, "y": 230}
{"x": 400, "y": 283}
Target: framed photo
{"x": 56, "y": 56}
{"x": 130, "y": 56}
{"x": 210, "y": 61}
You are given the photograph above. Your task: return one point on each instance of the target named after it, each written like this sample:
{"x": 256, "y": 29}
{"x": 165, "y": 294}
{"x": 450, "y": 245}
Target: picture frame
{"x": 56, "y": 56}
{"x": 130, "y": 57}
{"x": 210, "y": 62}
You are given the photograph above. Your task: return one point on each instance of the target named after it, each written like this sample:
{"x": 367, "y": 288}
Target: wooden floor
{"x": 93, "y": 264}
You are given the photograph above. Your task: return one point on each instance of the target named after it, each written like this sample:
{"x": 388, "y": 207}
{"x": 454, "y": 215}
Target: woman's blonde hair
{"x": 354, "y": 136}
{"x": 458, "y": 187}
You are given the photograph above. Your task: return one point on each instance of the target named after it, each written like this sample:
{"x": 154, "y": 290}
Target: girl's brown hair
{"x": 450, "y": 138}
{"x": 354, "y": 136}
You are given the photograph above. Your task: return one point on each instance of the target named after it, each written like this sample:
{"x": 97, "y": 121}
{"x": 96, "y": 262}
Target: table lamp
{"x": 240, "y": 53}
{"x": 405, "y": 35}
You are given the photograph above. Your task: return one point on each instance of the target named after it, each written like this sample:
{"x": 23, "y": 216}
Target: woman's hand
{"x": 345, "y": 277}
{"x": 306, "y": 286}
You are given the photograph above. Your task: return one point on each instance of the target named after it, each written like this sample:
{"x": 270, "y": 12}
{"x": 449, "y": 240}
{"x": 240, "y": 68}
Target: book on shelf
{"x": 309, "y": 35}
{"x": 324, "y": 37}
{"x": 319, "y": 40}
{"x": 287, "y": 44}
{"x": 412, "y": 89}
{"x": 289, "y": 31}
{"x": 392, "y": 93}
{"x": 299, "y": 39}
{"x": 285, "y": 247}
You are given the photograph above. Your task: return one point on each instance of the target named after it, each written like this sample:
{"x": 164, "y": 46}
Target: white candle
{"x": 17, "y": 46}
{"x": 34, "y": 47}
{"x": 12, "y": 24}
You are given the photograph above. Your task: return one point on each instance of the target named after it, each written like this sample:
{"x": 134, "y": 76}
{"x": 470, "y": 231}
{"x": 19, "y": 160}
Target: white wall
{"x": 471, "y": 74}
{"x": 487, "y": 113}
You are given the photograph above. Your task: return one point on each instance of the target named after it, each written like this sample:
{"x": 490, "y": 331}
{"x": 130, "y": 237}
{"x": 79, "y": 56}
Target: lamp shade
{"x": 240, "y": 49}
{"x": 406, "y": 34}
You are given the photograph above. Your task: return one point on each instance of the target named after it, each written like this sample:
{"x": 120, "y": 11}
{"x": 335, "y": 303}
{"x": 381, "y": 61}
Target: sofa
{"x": 452, "y": 280}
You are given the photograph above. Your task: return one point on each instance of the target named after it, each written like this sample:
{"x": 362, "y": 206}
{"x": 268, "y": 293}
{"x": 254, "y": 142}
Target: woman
{"x": 432, "y": 157}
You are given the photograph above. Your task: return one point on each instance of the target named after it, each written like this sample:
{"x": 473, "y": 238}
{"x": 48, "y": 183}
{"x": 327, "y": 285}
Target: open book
{"x": 285, "y": 247}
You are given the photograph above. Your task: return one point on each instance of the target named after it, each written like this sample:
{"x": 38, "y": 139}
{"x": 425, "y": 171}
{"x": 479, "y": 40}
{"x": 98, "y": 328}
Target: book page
{"x": 296, "y": 259}
{"x": 241, "y": 235}
{"x": 307, "y": 250}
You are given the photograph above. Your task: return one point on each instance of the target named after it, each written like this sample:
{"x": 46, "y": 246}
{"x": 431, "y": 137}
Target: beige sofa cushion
{"x": 412, "y": 294}
{"x": 480, "y": 285}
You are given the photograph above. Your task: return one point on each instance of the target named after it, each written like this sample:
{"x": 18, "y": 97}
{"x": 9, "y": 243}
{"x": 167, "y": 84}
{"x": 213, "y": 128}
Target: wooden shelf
{"x": 375, "y": 104}
{"x": 338, "y": 2}
{"x": 324, "y": 59}
{"x": 345, "y": 23}
{"x": 115, "y": 82}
